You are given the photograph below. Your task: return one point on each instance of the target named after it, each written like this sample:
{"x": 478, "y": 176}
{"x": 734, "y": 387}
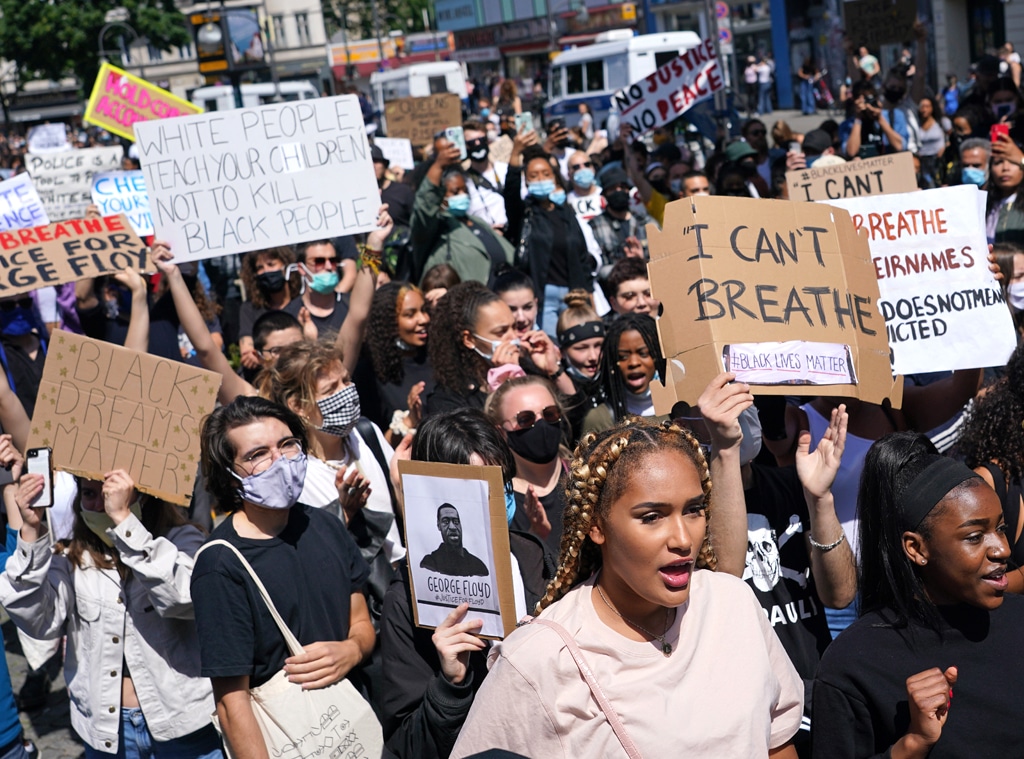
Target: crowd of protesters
{"x": 747, "y": 576}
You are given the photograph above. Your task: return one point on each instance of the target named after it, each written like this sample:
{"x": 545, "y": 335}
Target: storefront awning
{"x": 46, "y": 112}
{"x": 529, "y": 48}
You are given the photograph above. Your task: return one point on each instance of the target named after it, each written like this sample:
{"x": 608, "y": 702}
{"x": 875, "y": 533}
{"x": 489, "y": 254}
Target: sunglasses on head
{"x": 526, "y": 419}
{"x": 10, "y": 305}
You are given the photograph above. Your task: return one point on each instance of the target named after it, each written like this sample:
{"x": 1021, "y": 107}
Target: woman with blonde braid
{"x": 676, "y": 659}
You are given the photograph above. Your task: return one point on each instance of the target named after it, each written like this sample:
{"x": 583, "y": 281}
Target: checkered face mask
{"x": 340, "y": 411}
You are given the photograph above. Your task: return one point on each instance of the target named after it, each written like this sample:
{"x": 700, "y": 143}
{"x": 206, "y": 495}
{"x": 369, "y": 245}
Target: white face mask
{"x": 494, "y": 346}
{"x": 1015, "y": 292}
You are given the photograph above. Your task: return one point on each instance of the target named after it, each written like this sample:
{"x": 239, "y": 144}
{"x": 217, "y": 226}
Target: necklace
{"x": 666, "y": 647}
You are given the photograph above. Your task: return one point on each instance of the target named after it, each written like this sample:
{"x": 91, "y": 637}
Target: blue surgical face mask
{"x": 276, "y": 487}
{"x": 510, "y": 502}
{"x": 972, "y": 175}
{"x": 541, "y": 189}
{"x": 18, "y": 321}
{"x": 324, "y": 282}
{"x": 494, "y": 346}
{"x": 584, "y": 178}
{"x": 485, "y": 112}
{"x": 458, "y": 205}
{"x": 557, "y": 197}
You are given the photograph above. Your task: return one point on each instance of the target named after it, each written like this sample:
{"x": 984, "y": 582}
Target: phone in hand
{"x": 1002, "y": 110}
{"x": 38, "y": 461}
{"x": 996, "y": 130}
{"x": 456, "y": 137}
{"x": 524, "y": 122}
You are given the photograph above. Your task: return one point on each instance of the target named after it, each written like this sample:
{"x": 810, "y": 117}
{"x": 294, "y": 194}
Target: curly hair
{"x": 614, "y": 385}
{"x": 282, "y": 253}
{"x": 455, "y": 365}
{"x": 600, "y": 472}
{"x": 382, "y": 332}
{"x": 993, "y": 428}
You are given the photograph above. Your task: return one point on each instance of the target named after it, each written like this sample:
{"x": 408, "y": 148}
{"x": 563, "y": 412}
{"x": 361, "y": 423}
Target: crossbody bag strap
{"x": 294, "y": 647}
{"x": 595, "y": 687}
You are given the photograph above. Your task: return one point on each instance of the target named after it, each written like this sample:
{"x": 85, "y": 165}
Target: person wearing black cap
{"x": 928, "y": 668}
{"x": 619, "y": 232}
{"x": 398, "y": 195}
{"x": 817, "y": 143}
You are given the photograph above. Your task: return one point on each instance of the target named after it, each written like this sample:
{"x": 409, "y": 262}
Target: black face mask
{"x": 748, "y": 168}
{"x": 477, "y": 149}
{"x": 538, "y": 444}
{"x": 894, "y": 94}
{"x": 618, "y": 200}
{"x": 271, "y": 281}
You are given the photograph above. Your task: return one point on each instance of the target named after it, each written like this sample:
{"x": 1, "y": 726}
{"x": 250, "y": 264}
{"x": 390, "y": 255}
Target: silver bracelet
{"x": 830, "y": 546}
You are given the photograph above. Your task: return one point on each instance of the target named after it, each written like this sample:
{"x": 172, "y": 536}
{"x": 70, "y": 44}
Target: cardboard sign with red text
{"x": 671, "y": 90}
{"x": 67, "y": 252}
{"x": 943, "y": 308}
{"x": 103, "y": 407}
{"x": 119, "y": 100}
{"x": 782, "y": 293}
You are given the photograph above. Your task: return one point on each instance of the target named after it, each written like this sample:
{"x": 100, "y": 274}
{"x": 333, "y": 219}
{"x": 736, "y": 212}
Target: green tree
{"x": 51, "y": 39}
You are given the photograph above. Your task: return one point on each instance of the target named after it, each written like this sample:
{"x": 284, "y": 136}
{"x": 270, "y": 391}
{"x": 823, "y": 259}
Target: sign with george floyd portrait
{"x": 782, "y": 293}
{"x": 456, "y": 534}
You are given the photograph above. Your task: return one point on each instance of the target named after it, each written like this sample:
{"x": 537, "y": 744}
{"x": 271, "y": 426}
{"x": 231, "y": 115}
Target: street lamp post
{"x": 112, "y": 23}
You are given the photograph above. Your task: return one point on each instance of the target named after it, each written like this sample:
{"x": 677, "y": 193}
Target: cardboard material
{"x": 879, "y": 22}
{"x": 477, "y": 571}
{"x": 252, "y": 178}
{"x": 942, "y": 306}
{"x": 419, "y": 119}
{"x": 398, "y": 151}
{"x": 116, "y": 192}
{"x": 67, "y": 252}
{"x": 103, "y": 407}
{"x": 672, "y": 90}
{"x": 120, "y": 99}
{"x": 20, "y": 205}
{"x": 64, "y": 180}
{"x": 740, "y": 271}
{"x": 884, "y": 175}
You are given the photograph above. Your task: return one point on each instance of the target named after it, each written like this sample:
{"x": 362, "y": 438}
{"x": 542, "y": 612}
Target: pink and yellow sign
{"x": 120, "y": 99}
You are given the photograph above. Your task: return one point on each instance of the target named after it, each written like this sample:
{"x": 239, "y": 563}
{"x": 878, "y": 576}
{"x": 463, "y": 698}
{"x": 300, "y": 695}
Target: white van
{"x": 221, "y": 97}
{"x": 418, "y": 80}
{"x": 594, "y": 73}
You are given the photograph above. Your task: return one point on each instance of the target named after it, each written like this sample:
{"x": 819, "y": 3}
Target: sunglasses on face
{"x": 587, "y": 165}
{"x": 757, "y": 133}
{"x": 526, "y": 419}
{"x": 323, "y": 260}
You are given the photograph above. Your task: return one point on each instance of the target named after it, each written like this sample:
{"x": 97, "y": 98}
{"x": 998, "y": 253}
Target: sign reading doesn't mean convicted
{"x": 234, "y": 181}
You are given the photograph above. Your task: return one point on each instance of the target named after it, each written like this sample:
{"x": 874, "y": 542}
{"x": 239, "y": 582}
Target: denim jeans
{"x": 136, "y": 742}
{"x": 553, "y": 306}
{"x": 17, "y": 751}
{"x": 765, "y": 97}
{"x": 807, "y": 96}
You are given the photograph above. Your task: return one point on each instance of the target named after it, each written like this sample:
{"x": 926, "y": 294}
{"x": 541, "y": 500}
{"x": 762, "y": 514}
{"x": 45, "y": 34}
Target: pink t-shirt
{"x": 728, "y": 688}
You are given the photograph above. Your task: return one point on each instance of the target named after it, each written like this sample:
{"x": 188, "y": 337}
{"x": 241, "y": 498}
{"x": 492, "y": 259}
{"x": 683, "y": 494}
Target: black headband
{"x": 579, "y": 333}
{"x": 930, "y": 487}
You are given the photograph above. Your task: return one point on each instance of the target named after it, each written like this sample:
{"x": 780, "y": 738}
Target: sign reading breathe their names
{"x": 240, "y": 180}
{"x": 101, "y": 406}
{"x": 20, "y": 205}
{"x": 116, "y": 192}
{"x": 64, "y": 180}
{"x": 943, "y": 308}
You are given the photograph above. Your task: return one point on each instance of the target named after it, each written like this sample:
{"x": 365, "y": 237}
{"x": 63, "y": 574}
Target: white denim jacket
{"x": 146, "y": 621}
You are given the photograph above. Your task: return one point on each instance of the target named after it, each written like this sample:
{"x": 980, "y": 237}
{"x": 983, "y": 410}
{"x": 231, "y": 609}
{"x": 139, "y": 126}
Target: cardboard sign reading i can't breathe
{"x": 102, "y": 407}
{"x": 783, "y": 293}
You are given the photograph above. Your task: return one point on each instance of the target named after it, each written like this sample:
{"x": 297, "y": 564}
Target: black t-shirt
{"x": 379, "y": 400}
{"x": 860, "y": 694}
{"x": 778, "y": 567}
{"x": 554, "y": 506}
{"x": 399, "y": 197}
{"x": 310, "y": 570}
{"x": 324, "y": 324}
{"x": 26, "y": 372}
{"x": 247, "y": 316}
{"x": 558, "y": 271}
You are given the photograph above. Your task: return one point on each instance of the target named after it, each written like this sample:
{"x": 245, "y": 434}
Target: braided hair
{"x": 598, "y": 475}
{"x": 614, "y": 385}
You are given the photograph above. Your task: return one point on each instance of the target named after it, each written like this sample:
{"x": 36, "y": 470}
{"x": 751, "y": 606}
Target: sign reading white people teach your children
{"x": 250, "y": 178}
{"x": 943, "y": 308}
{"x": 671, "y": 90}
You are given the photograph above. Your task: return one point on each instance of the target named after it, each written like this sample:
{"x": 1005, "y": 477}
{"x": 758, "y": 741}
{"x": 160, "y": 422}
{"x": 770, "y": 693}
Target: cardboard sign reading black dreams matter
{"x": 782, "y": 293}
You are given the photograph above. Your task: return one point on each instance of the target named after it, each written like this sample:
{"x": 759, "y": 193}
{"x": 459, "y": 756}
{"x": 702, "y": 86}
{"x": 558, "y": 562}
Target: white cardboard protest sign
{"x": 942, "y": 307}
{"x": 671, "y": 90}
{"x": 397, "y": 150}
{"x": 116, "y": 192}
{"x": 64, "y": 180}
{"x": 20, "y": 205}
{"x": 792, "y": 362}
{"x": 250, "y": 178}
{"x": 48, "y": 138}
